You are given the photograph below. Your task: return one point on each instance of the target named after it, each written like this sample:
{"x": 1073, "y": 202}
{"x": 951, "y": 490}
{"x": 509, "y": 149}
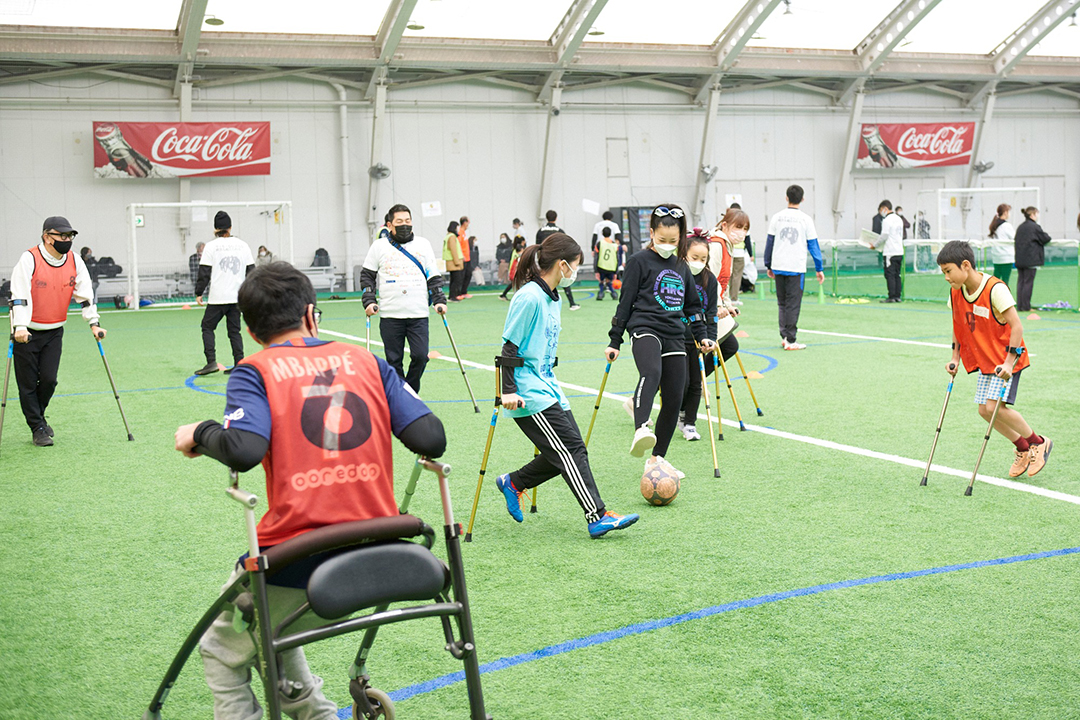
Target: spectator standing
{"x": 907, "y": 224}
{"x": 1003, "y": 252}
{"x": 264, "y": 257}
{"x": 503, "y": 252}
{"x": 519, "y": 229}
{"x": 876, "y": 226}
{"x": 1030, "y": 242}
{"x": 466, "y": 256}
{"x": 791, "y": 235}
{"x": 922, "y": 226}
{"x": 519, "y": 247}
{"x": 740, "y": 251}
{"x": 550, "y": 229}
{"x": 892, "y": 250}
{"x": 193, "y": 261}
{"x": 455, "y": 261}
{"x": 90, "y": 262}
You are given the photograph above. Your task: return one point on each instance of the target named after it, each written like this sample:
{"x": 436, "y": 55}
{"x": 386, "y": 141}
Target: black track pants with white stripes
{"x": 562, "y": 452}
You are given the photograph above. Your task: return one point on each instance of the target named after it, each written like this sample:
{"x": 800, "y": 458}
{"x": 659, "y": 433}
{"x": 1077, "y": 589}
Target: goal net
{"x": 163, "y": 236}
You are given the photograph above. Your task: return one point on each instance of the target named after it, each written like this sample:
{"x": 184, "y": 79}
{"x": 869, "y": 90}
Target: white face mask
{"x": 696, "y": 267}
{"x": 565, "y": 282}
{"x": 665, "y": 250}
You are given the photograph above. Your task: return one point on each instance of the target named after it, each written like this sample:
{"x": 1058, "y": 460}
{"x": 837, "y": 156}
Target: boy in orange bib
{"x": 988, "y": 337}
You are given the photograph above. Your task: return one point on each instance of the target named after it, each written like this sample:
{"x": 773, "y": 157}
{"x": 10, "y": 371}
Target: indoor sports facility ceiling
{"x": 956, "y": 47}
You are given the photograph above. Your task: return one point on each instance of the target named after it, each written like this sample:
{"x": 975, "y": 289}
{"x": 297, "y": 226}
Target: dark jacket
{"x": 1030, "y": 241}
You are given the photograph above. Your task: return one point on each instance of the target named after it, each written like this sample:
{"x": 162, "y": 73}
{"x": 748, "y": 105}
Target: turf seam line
{"x": 850, "y": 449}
{"x": 606, "y": 636}
{"x": 881, "y": 339}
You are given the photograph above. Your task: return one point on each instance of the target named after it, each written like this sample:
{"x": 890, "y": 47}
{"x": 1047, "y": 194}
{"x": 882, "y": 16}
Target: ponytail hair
{"x": 695, "y": 237}
{"x": 996, "y": 222}
{"x": 733, "y": 217}
{"x": 668, "y": 219}
{"x": 1029, "y": 211}
{"x": 538, "y": 259}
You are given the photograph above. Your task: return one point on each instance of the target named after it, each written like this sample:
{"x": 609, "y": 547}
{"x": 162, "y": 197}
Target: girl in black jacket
{"x": 658, "y": 294}
{"x": 1030, "y": 241}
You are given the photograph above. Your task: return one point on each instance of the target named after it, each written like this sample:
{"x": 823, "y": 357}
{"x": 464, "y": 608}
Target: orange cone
{"x": 742, "y": 333}
{"x": 754, "y": 375}
{"x": 1033, "y": 316}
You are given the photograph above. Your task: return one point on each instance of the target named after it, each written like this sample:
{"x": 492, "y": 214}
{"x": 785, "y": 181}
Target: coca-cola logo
{"x": 102, "y": 132}
{"x": 947, "y": 140}
{"x": 224, "y": 143}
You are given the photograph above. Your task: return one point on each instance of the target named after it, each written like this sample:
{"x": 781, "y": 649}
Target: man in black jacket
{"x": 1030, "y": 241}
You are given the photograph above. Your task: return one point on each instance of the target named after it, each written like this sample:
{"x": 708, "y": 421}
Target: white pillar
{"x": 346, "y": 208}
{"x": 854, "y": 128}
{"x": 698, "y": 211}
{"x": 379, "y": 110}
{"x": 550, "y": 135}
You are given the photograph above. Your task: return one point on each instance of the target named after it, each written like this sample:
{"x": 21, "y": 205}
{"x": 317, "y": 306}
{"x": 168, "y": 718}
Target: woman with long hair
{"x": 1003, "y": 252}
{"x": 530, "y": 393}
{"x": 1030, "y": 241}
{"x": 657, "y": 301}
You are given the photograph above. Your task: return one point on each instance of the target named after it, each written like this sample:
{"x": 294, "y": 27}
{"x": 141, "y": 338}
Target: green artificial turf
{"x": 113, "y": 549}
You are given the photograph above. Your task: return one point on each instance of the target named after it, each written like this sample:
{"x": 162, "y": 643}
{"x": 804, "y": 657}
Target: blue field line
{"x": 638, "y": 628}
{"x": 190, "y": 383}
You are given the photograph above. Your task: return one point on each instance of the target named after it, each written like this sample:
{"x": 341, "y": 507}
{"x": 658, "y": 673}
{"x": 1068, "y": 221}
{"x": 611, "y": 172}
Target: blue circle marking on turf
{"x": 190, "y": 383}
{"x": 638, "y": 628}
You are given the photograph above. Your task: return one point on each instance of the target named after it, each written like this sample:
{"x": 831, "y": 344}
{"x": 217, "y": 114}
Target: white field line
{"x": 850, "y": 449}
{"x": 881, "y": 339}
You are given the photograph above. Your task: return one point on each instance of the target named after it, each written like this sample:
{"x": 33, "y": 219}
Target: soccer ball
{"x": 658, "y": 486}
{"x": 617, "y": 284}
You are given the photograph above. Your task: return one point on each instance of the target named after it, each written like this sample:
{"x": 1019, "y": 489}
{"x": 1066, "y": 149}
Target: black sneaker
{"x": 207, "y": 369}
{"x": 48, "y": 429}
{"x": 41, "y": 437}
{"x": 235, "y": 365}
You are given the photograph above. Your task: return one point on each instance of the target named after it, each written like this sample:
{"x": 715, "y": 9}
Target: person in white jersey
{"x": 598, "y": 235}
{"x": 1003, "y": 252}
{"x": 225, "y": 262}
{"x": 791, "y": 235}
{"x": 401, "y": 266}
{"x": 892, "y": 250}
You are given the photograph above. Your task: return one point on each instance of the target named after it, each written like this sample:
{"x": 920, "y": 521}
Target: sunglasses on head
{"x": 673, "y": 212}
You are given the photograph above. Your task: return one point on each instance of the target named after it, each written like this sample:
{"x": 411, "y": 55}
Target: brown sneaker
{"x": 1039, "y": 455}
{"x": 1020, "y": 464}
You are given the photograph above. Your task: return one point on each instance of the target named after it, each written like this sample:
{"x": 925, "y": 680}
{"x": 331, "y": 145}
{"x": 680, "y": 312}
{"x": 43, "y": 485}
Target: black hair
{"x": 956, "y": 252}
{"x": 795, "y": 194}
{"x": 737, "y": 206}
{"x": 395, "y": 210}
{"x": 273, "y": 299}
{"x": 452, "y": 227}
{"x": 518, "y": 221}
{"x": 551, "y": 215}
{"x": 656, "y": 221}
{"x": 698, "y": 236}
{"x": 884, "y": 204}
{"x": 607, "y": 215}
{"x": 84, "y": 252}
{"x": 538, "y": 259}
{"x": 464, "y": 219}
{"x": 606, "y": 232}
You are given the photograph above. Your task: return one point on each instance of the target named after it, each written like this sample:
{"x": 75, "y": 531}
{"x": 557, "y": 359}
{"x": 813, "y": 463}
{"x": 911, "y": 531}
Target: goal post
{"x": 282, "y": 210}
{"x": 965, "y": 213}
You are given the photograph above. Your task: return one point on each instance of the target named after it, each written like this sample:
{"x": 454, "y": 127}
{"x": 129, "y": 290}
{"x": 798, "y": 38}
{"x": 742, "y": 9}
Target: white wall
{"x": 477, "y": 149}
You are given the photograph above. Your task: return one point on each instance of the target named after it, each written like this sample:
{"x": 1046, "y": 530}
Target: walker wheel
{"x": 381, "y": 703}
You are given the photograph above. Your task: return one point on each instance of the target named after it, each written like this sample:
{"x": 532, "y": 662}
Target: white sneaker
{"x": 644, "y": 439}
{"x": 737, "y": 303}
{"x": 575, "y": 307}
{"x": 794, "y": 346}
{"x": 690, "y": 433}
{"x": 650, "y": 463}
{"x": 628, "y": 406}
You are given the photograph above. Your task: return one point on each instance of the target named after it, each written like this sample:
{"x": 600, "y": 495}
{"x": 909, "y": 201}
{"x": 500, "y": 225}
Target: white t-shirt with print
{"x": 791, "y": 228}
{"x": 402, "y": 286}
{"x": 228, "y": 258}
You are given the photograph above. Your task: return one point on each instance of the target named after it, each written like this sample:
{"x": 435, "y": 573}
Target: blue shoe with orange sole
{"x": 610, "y": 521}
{"x": 513, "y": 497}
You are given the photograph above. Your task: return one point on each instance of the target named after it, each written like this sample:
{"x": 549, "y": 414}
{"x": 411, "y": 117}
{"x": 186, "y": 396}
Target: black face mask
{"x": 403, "y": 233}
{"x": 62, "y": 246}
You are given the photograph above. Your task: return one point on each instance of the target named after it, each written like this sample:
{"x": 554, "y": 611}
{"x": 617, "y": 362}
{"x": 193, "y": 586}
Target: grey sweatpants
{"x": 228, "y": 658}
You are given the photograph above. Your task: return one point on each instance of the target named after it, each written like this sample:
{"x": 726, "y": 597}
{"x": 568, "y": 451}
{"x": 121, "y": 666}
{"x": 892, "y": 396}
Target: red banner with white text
{"x": 126, "y": 150}
{"x": 915, "y": 145}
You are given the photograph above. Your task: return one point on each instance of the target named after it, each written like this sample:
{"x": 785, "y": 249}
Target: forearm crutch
{"x": 367, "y": 332}
{"x": 719, "y": 419}
{"x": 500, "y": 363}
{"x": 708, "y": 413}
{"x": 596, "y": 405}
{"x": 937, "y": 434}
{"x": 461, "y": 367}
{"x": 111, "y": 382}
{"x": 986, "y": 439}
{"x": 731, "y": 391}
{"x": 742, "y": 369}
{"x": 7, "y": 376}
{"x": 536, "y": 451}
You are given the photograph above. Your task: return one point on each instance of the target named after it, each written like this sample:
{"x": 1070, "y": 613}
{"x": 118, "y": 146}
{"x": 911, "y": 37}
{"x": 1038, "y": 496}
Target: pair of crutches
{"x": 986, "y": 438}
{"x": 367, "y": 343}
{"x": 7, "y": 377}
{"x": 500, "y": 363}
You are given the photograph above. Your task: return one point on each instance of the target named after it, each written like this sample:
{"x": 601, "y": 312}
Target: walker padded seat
{"x": 376, "y": 574}
{"x": 342, "y": 535}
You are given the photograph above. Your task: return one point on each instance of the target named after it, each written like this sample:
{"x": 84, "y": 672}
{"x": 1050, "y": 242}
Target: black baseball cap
{"x": 57, "y": 224}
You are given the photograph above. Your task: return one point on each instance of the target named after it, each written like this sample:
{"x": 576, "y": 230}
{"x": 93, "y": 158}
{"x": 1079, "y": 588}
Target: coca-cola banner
{"x": 915, "y": 145}
{"x": 166, "y": 150}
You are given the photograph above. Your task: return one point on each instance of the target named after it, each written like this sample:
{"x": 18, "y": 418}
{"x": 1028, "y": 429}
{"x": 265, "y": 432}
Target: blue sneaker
{"x": 610, "y": 521}
{"x": 513, "y": 497}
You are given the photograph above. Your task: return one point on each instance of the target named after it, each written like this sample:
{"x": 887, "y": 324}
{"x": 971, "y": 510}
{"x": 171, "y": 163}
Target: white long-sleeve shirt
{"x": 1003, "y": 251}
{"x": 21, "y": 276}
{"x": 892, "y": 233}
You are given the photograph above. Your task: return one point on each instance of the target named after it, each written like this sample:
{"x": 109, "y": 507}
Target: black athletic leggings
{"x": 661, "y": 363}
{"x": 692, "y": 396}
